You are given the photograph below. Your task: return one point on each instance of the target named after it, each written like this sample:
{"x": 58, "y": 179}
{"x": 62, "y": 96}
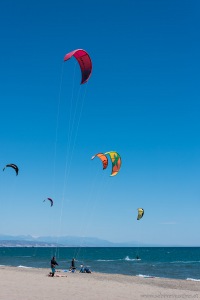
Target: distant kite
{"x": 12, "y": 166}
{"x": 140, "y": 213}
{"x": 51, "y": 201}
{"x": 84, "y": 61}
{"x": 115, "y": 159}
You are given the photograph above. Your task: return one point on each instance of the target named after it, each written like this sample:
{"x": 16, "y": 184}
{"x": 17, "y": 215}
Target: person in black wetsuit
{"x": 53, "y": 266}
{"x": 72, "y": 268}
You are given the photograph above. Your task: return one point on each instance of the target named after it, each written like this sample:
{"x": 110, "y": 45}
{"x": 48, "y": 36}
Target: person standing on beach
{"x": 53, "y": 266}
{"x": 73, "y": 268}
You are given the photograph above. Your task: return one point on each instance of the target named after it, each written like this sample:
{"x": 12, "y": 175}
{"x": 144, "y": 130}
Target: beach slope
{"x": 34, "y": 284}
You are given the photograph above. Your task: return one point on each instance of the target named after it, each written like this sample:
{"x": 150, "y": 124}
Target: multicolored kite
{"x": 116, "y": 162}
{"x": 84, "y": 61}
{"x": 115, "y": 158}
{"x": 103, "y": 158}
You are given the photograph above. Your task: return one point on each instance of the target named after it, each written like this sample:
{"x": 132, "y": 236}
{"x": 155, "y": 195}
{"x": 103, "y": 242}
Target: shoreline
{"x": 66, "y": 271}
{"x": 161, "y": 263}
{"x": 34, "y": 283}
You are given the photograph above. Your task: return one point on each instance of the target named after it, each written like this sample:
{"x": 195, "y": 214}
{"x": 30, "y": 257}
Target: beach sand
{"x": 32, "y": 284}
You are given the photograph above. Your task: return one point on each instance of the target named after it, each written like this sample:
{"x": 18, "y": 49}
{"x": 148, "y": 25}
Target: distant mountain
{"x": 63, "y": 241}
{"x": 71, "y": 241}
{"x": 23, "y": 243}
{"x": 52, "y": 241}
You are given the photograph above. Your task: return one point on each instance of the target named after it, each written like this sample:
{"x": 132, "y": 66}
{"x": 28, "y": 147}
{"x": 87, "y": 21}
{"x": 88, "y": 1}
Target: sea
{"x": 163, "y": 262}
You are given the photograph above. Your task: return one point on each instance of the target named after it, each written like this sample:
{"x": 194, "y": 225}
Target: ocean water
{"x": 172, "y": 262}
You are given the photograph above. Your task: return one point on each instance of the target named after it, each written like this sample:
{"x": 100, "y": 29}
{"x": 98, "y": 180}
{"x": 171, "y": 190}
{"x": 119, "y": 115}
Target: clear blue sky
{"x": 142, "y": 100}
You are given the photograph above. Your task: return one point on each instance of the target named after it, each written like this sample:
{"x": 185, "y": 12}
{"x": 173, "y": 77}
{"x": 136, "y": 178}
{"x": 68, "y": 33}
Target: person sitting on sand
{"x": 53, "y": 266}
{"x": 87, "y": 270}
{"x": 84, "y": 269}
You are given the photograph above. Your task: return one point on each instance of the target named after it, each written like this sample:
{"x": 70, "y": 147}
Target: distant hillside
{"x": 52, "y": 241}
{"x": 18, "y": 243}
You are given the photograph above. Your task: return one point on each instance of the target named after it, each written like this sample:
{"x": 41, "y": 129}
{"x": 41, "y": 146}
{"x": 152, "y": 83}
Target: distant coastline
{"x": 69, "y": 241}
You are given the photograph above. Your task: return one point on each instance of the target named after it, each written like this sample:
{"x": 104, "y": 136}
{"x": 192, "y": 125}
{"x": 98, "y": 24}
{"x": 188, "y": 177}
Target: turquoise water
{"x": 172, "y": 262}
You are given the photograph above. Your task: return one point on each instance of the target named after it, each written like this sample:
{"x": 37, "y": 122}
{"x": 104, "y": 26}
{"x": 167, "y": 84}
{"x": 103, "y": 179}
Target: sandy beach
{"x": 32, "y": 283}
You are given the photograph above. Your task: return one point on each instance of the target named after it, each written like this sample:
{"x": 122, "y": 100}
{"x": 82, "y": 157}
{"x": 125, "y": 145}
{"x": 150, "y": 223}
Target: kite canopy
{"x": 103, "y": 158}
{"x": 49, "y": 200}
{"x": 140, "y": 213}
{"x": 12, "y": 166}
{"x": 84, "y": 61}
{"x": 116, "y": 162}
{"x": 115, "y": 159}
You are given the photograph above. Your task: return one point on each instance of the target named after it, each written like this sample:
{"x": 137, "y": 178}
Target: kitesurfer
{"x": 72, "y": 268}
{"x": 53, "y": 266}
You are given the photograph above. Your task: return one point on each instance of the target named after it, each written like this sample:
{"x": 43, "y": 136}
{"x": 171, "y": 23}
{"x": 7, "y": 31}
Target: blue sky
{"x": 142, "y": 100}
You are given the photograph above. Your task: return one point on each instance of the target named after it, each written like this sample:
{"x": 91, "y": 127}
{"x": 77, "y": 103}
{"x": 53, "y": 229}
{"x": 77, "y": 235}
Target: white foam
{"x": 192, "y": 279}
{"x": 131, "y": 259}
{"x": 185, "y": 262}
{"x": 24, "y": 267}
{"x": 146, "y": 276}
{"x": 105, "y": 260}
